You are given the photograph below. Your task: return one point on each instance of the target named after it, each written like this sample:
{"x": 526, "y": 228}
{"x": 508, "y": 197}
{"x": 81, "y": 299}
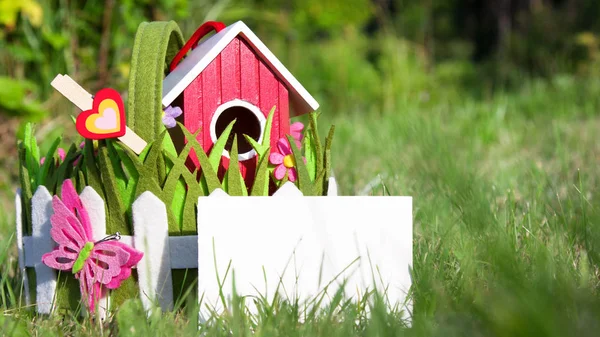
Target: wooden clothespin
{"x": 84, "y": 101}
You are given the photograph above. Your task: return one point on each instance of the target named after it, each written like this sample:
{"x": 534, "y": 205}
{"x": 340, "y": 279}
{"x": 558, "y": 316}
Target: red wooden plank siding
{"x": 250, "y": 91}
{"x": 249, "y": 78}
{"x": 269, "y": 97}
{"x": 230, "y": 71}
{"x": 211, "y": 97}
{"x": 284, "y": 111}
{"x": 192, "y": 106}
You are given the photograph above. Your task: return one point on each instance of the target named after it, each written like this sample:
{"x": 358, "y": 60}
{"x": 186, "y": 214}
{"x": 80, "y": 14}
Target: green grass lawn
{"x": 506, "y": 235}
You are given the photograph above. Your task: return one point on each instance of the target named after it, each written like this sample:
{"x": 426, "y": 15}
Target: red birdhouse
{"x": 233, "y": 75}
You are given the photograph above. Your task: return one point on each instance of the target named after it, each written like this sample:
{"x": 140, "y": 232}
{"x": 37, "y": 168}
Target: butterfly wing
{"x": 91, "y": 291}
{"x": 73, "y": 203}
{"x": 68, "y": 233}
{"x": 111, "y": 262}
{"x": 71, "y": 228}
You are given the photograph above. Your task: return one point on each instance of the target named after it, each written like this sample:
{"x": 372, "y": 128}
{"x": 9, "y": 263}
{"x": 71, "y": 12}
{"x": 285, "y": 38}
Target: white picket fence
{"x": 162, "y": 253}
{"x": 305, "y": 246}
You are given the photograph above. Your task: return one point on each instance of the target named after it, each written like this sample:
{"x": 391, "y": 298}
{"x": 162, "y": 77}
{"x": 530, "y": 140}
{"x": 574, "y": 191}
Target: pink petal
{"x": 280, "y": 172}
{"x": 276, "y": 158}
{"x": 61, "y": 154}
{"x": 296, "y": 127}
{"x": 284, "y": 146}
{"x": 292, "y": 174}
{"x": 76, "y": 161}
{"x": 42, "y": 161}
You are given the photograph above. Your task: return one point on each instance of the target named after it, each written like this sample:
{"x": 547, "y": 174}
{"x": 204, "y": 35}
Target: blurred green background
{"x": 486, "y": 112}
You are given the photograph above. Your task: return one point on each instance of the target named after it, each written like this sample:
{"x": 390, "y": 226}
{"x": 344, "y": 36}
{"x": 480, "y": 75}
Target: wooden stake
{"x": 83, "y": 100}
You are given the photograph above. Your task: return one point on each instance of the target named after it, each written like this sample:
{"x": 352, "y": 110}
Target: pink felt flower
{"x": 296, "y": 132}
{"x": 61, "y": 157}
{"x": 98, "y": 263}
{"x": 284, "y": 159}
{"x": 62, "y": 154}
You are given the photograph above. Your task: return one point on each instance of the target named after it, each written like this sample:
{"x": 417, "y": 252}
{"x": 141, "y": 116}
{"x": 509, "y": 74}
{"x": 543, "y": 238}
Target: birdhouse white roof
{"x": 200, "y": 57}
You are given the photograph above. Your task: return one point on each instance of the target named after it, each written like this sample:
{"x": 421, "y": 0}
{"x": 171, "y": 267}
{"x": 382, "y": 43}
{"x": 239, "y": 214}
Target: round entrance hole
{"x": 247, "y": 123}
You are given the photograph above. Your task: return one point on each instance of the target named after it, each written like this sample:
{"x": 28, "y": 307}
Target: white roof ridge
{"x": 201, "y": 56}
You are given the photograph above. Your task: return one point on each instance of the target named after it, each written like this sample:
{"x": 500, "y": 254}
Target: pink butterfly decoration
{"x": 105, "y": 266}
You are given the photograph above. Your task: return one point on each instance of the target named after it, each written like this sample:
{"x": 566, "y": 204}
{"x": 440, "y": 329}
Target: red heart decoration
{"x": 106, "y": 119}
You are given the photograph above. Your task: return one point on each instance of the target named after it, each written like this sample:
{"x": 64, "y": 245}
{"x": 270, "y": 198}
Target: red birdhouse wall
{"x": 236, "y": 73}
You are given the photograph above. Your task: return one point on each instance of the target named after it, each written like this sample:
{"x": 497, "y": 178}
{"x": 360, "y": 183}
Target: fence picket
{"x": 21, "y": 246}
{"x": 41, "y": 211}
{"x": 152, "y": 238}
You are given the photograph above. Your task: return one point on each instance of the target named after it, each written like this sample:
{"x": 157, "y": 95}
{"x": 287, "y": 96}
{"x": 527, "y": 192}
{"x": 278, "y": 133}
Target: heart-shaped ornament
{"x": 106, "y": 119}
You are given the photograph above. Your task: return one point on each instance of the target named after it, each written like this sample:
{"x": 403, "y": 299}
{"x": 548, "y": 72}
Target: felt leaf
{"x": 314, "y": 130}
{"x": 235, "y": 185}
{"x": 178, "y": 188}
{"x": 92, "y": 174}
{"x": 304, "y": 182}
{"x": 121, "y": 179}
{"x": 49, "y": 162}
{"x": 144, "y": 152}
{"x": 148, "y": 172}
{"x": 266, "y": 140}
{"x": 66, "y": 169}
{"x": 209, "y": 174}
{"x": 261, "y": 149}
{"x": 130, "y": 164}
{"x": 217, "y": 150}
{"x": 161, "y": 169}
{"x": 311, "y": 155}
{"x": 261, "y": 181}
{"x": 152, "y": 176}
{"x": 255, "y": 145}
{"x": 189, "y": 225}
{"x": 116, "y": 219}
{"x": 194, "y": 190}
{"x": 79, "y": 181}
{"x": 26, "y": 191}
{"x": 318, "y": 184}
{"x": 175, "y": 189}
{"x": 168, "y": 144}
{"x": 31, "y": 156}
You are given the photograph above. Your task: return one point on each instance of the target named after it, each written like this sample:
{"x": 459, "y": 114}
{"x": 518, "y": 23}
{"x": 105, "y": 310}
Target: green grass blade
{"x": 217, "y": 150}
{"x": 92, "y": 174}
{"x": 310, "y": 154}
{"x": 235, "y": 181}
{"x": 26, "y": 191}
{"x": 31, "y": 157}
{"x": 314, "y": 130}
{"x": 261, "y": 181}
{"x": 304, "y": 182}
{"x": 209, "y": 173}
{"x": 49, "y": 161}
{"x": 266, "y": 140}
{"x": 116, "y": 220}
